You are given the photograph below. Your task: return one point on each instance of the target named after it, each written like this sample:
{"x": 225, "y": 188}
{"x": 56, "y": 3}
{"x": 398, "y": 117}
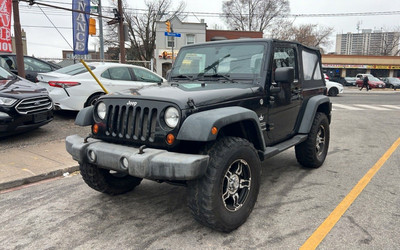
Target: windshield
{"x": 234, "y": 60}
{"x": 4, "y": 74}
{"x": 374, "y": 79}
{"x": 74, "y": 69}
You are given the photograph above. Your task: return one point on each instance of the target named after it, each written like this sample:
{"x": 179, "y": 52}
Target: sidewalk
{"x": 20, "y": 166}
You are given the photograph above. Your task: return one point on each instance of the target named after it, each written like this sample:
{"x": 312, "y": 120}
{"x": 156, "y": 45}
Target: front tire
{"x": 312, "y": 152}
{"x": 225, "y": 196}
{"x": 107, "y": 181}
{"x": 333, "y": 92}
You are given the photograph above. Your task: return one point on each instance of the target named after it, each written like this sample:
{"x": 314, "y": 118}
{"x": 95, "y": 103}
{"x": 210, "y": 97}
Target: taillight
{"x": 61, "y": 84}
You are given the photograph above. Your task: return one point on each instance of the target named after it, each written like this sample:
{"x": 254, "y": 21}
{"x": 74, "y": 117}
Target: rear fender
{"x": 315, "y": 104}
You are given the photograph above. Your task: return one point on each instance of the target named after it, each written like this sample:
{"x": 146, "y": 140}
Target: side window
{"x": 145, "y": 76}
{"x": 311, "y": 68}
{"x": 9, "y": 63}
{"x": 119, "y": 73}
{"x": 106, "y": 74}
{"x": 286, "y": 57}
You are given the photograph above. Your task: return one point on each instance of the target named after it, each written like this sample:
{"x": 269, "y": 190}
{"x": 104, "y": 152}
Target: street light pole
{"x": 121, "y": 33}
{"x": 18, "y": 40}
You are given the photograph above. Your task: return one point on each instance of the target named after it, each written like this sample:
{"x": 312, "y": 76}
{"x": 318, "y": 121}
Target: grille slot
{"x": 34, "y": 105}
{"x": 137, "y": 123}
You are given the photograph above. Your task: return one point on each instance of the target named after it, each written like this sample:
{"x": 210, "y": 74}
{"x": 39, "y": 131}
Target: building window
{"x": 190, "y": 39}
{"x": 170, "y": 42}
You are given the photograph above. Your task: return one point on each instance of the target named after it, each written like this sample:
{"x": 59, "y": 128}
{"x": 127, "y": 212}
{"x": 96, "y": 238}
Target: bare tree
{"x": 142, "y": 27}
{"x": 307, "y": 34}
{"x": 253, "y": 15}
{"x": 390, "y": 42}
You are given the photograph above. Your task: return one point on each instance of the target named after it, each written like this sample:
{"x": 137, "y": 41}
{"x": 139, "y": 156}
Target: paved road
{"x": 292, "y": 203}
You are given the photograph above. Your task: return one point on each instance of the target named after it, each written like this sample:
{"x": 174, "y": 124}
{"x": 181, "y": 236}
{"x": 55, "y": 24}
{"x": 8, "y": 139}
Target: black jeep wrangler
{"x": 228, "y": 106}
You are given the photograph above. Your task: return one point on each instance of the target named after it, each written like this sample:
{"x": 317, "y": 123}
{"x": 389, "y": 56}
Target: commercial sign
{"x": 358, "y": 66}
{"x": 80, "y": 23}
{"x": 5, "y": 26}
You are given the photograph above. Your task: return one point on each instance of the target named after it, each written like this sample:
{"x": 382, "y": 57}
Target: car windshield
{"x": 219, "y": 61}
{"x": 4, "y": 74}
{"x": 394, "y": 80}
{"x": 371, "y": 78}
{"x": 74, "y": 69}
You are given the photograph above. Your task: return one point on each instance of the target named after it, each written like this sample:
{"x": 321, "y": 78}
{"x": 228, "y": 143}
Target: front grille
{"x": 128, "y": 122}
{"x": 34, "y": 105}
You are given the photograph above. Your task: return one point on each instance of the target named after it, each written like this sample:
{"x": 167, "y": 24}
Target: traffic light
{"x": 168, "y": 23}
{"x": 92, "y": 26}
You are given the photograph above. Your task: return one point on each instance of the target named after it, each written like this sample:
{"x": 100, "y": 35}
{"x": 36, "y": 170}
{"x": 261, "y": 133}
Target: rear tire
{"x": 312, "y": 152}
{"x": 225, "y": 196}
{"x": 105, "y": 181}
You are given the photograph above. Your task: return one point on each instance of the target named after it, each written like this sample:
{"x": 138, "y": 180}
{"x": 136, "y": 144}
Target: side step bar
{"x": 276, "y": 149}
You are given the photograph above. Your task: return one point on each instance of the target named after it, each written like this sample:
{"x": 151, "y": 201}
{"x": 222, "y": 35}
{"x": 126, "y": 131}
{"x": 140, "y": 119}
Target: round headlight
{"x": 101, "y": 110}
{"x": 171, "y": 117}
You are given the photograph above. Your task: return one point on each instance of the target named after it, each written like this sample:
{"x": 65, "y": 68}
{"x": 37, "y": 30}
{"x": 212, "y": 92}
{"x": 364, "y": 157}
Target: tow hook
{"x": 86, "y": 138}
{"x": 141, "y": 149}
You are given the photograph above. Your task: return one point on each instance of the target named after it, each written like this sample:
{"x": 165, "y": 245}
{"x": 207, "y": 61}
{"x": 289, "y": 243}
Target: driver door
{"x": 284, "y": 103}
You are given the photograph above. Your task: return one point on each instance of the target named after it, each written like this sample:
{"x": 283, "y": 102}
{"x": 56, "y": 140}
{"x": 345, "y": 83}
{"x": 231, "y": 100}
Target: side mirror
{"x": 284, "y": 75}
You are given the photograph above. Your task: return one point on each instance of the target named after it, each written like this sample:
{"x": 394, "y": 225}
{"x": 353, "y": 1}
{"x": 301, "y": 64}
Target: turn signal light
{"x": 214, "y": 130}
{"x": 170, "y": 139}
{"x": 61, "y": 84}
{"x": 95, "y": 128}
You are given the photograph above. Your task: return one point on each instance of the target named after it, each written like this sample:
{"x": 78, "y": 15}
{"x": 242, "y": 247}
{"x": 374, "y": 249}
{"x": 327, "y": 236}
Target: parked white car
{"x": 334, "y": 88}
{"x": 73, "y": 87}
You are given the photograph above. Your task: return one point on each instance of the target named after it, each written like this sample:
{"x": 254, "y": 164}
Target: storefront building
{"x": 351, "y": 65}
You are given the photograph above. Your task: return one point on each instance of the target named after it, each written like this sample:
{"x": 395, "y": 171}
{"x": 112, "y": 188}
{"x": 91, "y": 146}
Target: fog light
{"x": 124, "y": 163}
{"x": 91, "y": 156}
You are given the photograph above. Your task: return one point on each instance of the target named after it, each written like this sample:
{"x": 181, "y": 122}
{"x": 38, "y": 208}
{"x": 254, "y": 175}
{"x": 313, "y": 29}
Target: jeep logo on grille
{"x": 131, "y": 103}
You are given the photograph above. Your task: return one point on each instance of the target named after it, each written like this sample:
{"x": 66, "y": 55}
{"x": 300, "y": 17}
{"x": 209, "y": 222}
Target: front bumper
{"x": 155, "y": 164}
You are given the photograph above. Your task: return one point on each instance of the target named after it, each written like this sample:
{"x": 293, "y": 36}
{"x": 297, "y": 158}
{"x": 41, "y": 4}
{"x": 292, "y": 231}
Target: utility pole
{"x": 101, "y": 32}
{"x": 121, "y": 33}
{"x": 18, "y": 40}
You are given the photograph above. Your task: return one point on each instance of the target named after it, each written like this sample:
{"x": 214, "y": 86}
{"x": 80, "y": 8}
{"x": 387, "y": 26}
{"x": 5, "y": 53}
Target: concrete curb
{"x": 37, "y": 178}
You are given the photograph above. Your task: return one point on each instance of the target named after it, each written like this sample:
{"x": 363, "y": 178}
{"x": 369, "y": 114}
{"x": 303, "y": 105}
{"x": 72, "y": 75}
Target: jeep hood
{"x": 202, "y": 93}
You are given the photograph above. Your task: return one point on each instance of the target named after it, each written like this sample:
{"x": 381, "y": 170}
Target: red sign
{"x": 5, "y": 26}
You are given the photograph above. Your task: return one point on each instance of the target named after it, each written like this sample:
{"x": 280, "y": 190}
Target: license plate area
{"x": 40, "y": 117}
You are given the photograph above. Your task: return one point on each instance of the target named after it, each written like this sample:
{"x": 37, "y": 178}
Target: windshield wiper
{"x": 213, "y": 66}
{"x": 226, "y": 77}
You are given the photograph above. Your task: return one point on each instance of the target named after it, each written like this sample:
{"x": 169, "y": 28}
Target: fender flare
{"x": 311, "y": 109}
{"x": 85, "y": 117}
{"x": 197, "y": 127}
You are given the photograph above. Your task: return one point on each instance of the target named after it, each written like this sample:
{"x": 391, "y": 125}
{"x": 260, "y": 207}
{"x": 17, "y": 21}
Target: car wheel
{"x": 333, "y": 92}
{"x": 92, "y": 99}
{"x": 312, "y": 152}
{"x": 107, "y": 181}
{"x": 225, "y": 196}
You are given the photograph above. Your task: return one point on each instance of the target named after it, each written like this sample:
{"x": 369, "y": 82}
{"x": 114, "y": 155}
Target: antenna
{"x": 359, "y": 26}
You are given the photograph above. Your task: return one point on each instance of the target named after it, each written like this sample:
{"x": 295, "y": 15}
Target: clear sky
{"x": 45, "y": 41}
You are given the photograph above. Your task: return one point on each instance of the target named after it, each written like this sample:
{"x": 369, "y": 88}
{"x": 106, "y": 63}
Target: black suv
{"x": 32, "y": 65}
{"x": 228, "y": 106}
{"x": 23, "y": 105}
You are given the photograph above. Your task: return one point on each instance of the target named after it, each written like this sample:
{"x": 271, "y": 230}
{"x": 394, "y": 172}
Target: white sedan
{"x": 333, "y": 88}
{"x": 73, "y": 87}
